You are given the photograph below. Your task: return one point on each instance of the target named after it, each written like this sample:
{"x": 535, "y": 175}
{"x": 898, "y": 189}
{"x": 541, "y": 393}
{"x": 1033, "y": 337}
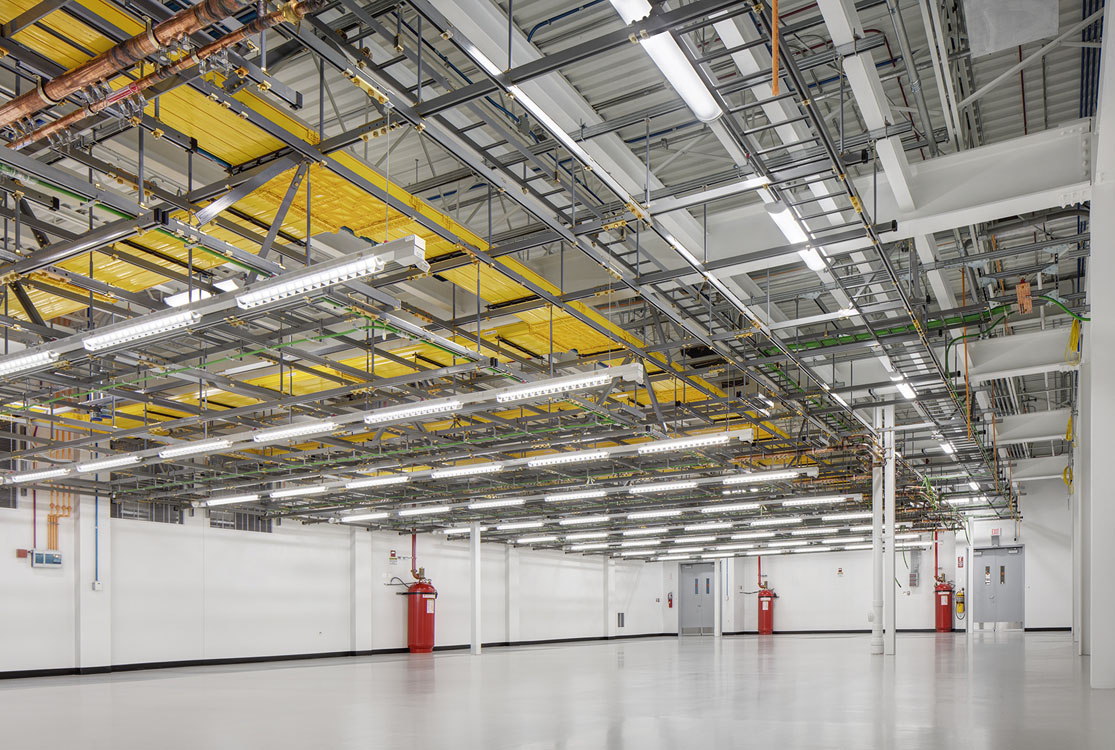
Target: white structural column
{"x": 877, "y": 548}
{"x": 511, "y": 592}
{"x": 92, "y": 603}
{"x": 1082, "y": 497}
{"x": 889, "y": 619}
{"x": 1101, "y": 426}
{"x": 474, "y": 587}
{"x": 717, "y": 606}
{"x": 608, "y": 598}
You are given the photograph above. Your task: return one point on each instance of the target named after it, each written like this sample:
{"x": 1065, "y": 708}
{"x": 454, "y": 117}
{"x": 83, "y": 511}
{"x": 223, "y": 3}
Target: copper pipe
{"x": 118, "y": 58}
{"x": 290, "y": 12}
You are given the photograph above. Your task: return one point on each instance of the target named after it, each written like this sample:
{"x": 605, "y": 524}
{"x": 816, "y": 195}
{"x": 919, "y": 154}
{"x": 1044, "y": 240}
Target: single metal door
{"x": 999, "y": 585}
{"x": 695, "y": 600}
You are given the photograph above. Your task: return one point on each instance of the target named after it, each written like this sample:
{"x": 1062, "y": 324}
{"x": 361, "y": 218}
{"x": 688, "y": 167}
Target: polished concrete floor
{"x": 996, "y": 690}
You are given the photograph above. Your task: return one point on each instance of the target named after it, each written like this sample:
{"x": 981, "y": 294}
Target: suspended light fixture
{"x": 577, "y": 495}
{"x": 555, "y": 387}
{"x": 520, "y": 525}
{"x": 535, "y": 539}
{"x": 779, "y": 521}
{"x": 503, "y": 503}
{"x": 731, "y": 507}
{"x": 675, "y": 66}
{"x": 793, "y": 232}
{"x": 311, "y": 279}
{"x": 228, "y": 500}
{"x": 298, "y": 429}
{"x": 146, "y": 327}
{"x": 38, "y": 476}
{"x": 104, "y": 464}
{"x": 579, "y": 520}
{"x": 684, "y": 444}
{"x": 567, "y": 458}
{"x": 762, "y": 476}
{"x": 642, "y": 489}
{"x": 362, "y": 484}
{"x": 367, "y": 517}
{"x": 411, "y": 411}
{"x": 297, "y": 491}
{"x": 466, "y": 471}
{"x": 423, "y": 510}
{"x": 25, "y": 362}
{"x": 191, "y": 449}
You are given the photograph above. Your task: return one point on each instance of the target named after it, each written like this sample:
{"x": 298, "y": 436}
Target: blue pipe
{"x": 559, "y": 16}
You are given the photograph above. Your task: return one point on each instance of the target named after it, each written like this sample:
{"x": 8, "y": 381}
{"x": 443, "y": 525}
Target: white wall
{"x": 190, "y": 592}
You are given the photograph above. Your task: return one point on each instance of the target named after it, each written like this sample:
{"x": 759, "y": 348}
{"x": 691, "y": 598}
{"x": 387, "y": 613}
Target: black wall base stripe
{"x": 70, "y": 671}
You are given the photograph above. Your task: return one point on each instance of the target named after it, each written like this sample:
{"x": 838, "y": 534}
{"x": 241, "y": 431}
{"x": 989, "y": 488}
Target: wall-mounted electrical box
{"x": 45, "y": 559}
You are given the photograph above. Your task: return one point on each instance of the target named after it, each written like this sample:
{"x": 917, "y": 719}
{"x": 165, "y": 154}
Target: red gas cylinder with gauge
{"x": 420, "y": 617}
{"x": 943, "y": 606}
{"x": 766, "y": 611}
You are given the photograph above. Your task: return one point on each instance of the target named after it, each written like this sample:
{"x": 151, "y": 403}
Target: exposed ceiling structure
{"x": 419, "y": 265}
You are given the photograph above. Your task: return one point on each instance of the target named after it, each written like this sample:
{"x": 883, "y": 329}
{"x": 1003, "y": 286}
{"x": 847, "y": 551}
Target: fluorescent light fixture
{"x": 311, "y": 279}
{"x": 586, "y": 535}
{"x": 504, "y": 503}
{"x": 642, "y": 489}
{"x": 107, "y": 463}
{"x": 24, "y": 362}
{"x": 298, "y": 429}
{"x": 731, "y": 507}
{"x": 593, "y": 545}
{"x": 947, "y": 447}
{"x": 714, "y": 555}
{"x": 193, "y": 448}
{"x": 858, "y": 546}
{"x": 913, "y": 545}
{"x": 754, "y": 535}
{"x": 636, "y": 553}
{"x": 694, "y": 539}
{"x": 685, "y": 550}
{"x": 844, "y": 539}
{"x": 424, "y": 510}
{"x": 230, "y": 500}
{"x": 370, "y": 517}
{"x": 709, "y": 526}
{"x": 793, "y": 232}
{"x": 461, "y": 530}
{"x": 641, "y": 543}
{"x": 535, "y": 539}
{"x": 735, "y": 546}
{"x": 675, "y": 66}
{"x": 854, "y": 515}
{"x": 645, "y": 532}
{"x": 36, "y": 476}
{"x": 907, "y": 536}
{"x": 411, "y": 411}
{"x": 795, "y": 543}
{"x": 578, "y": 520}
{"x": 762, "y": 552}
{"x": 145, "y": 328}
{"x": 361, "y": 484}
{"x": 566, "y": 458}
{"x": 906, "y": 390}
{"x": 298, "y": 491}
{"x": 762, "y": 476}
{"x": 520, "y": 525}
{"x": 798, "y": 501}
{"x": 776, "y": 521}
{"x": 554, "y": 387}
{"x": 196, "y": 295}
{"x": 670, "y": 558}
{"x": 467, "y": 471}
{"x": 578, "y": 495}
{"x": 664, "y": 513}
{"x": 682, "y": 444}
{"x": 974, "y": 485}
{"x": 816, "y": 530}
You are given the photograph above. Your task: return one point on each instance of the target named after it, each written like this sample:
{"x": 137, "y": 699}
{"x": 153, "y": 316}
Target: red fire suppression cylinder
{"x": 420, "y": 617}
{"x": 766, "y": 611}
{"x": 943, "y": 592}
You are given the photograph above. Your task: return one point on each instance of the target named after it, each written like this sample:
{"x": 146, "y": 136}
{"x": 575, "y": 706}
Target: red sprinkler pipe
{"x": 414, "y": 555}
{"x": 759, "y": 560}
{"x": 936, "y": 565}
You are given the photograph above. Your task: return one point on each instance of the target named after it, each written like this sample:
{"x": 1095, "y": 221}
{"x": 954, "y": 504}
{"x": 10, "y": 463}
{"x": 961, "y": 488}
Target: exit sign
{"x": 996, "y": 532}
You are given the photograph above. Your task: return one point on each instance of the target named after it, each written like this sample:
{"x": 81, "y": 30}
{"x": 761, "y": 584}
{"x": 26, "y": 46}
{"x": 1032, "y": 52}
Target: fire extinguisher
{"x": 960, "y": 613}
{"x": 943, "y": 592}
{"x": 670, "y": 600}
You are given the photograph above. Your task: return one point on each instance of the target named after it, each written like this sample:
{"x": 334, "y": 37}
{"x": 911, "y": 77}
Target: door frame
{"x": 702, "y": 629}
{"x": 975, "y": 573}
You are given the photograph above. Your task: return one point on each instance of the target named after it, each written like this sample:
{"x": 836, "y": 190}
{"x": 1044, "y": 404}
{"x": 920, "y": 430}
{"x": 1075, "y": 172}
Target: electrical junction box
{"x": 46, "y": 559}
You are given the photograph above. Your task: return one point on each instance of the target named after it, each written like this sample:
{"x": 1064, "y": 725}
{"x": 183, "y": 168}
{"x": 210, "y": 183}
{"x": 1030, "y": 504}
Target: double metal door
{"x": 999, "y": 584}
{"x": 695, "y": 600}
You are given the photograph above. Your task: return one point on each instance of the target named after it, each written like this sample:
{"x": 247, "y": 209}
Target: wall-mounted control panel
{"x": 41, "y": 558}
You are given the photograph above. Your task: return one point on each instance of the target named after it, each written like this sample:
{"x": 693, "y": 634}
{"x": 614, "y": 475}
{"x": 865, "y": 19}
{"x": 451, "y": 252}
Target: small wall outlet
{"x": 98, "y": 585}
